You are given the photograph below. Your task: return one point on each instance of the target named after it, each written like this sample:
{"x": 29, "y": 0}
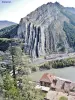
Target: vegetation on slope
{"x": 6, "y": 34}
{"x": 17, "y": 86}
{"x": 70, "y": 32}
{"x": 20, "y": 91}
{"x": 4, "y": 44}
{"x": 9, "y": 32}
{"x": 70, "y": 15}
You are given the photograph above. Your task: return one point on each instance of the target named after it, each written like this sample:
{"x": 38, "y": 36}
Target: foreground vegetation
{"x": 17, "y": 86}
{"x": 21, "y": 91}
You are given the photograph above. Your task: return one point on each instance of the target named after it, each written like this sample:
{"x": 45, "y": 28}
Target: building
{"x": 48, "y": 80}
{"x": 57, "y": 83}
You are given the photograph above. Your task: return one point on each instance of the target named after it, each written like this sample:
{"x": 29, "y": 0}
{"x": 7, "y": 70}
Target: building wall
{"x": 47, "y": 84}
{"x": 59, "y": 85}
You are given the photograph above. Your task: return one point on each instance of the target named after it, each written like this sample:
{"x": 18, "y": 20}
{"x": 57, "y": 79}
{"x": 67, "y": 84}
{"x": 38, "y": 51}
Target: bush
{"x": 27, "y": 71}
{"x": 34, "y": 69}
{"x": 58, "y": 64}
{"x": 63, "y": 98}
{"x": 45, "y": 66}
{"x": 63, "y": 63}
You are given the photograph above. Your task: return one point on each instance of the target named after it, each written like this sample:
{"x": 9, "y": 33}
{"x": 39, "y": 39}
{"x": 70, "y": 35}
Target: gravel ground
{"x": 54, "y": 95}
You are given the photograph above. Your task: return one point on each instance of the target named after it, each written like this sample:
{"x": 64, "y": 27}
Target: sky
{"x": 14, "y": 10}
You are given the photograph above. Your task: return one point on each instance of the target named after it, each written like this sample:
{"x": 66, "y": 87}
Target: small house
{"x": 57, "y": 83}
{"x": 47, "y": 79}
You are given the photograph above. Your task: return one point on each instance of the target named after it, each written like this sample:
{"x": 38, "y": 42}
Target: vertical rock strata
{"x": 42, "y": 31}
{"x": 32, "y": 38}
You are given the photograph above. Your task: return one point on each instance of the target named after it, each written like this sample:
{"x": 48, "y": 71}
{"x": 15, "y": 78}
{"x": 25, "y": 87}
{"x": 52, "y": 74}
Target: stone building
{"x": 57, "y": 83}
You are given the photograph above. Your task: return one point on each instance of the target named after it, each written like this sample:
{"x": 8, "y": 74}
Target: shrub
{"x": 34, "y": 69}
{"x": 58, "y": 64}
{"x": 63, "y": 98}
{"x": 63, "y": 63}
{"x": 45, "y": 66}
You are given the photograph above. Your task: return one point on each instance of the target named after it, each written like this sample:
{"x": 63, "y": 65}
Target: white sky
{"x": 18, "y": 9}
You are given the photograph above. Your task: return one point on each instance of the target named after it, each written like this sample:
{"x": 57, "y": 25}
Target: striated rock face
{"x": 32, "y": 38}
{"x": 42, "y": 30}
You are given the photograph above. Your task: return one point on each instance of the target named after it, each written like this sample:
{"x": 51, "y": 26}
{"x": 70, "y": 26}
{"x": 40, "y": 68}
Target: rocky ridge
{"x": 42, "y": 30}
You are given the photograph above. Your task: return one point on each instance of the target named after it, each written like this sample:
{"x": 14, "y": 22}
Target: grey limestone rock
{"x": 42, "y": 31}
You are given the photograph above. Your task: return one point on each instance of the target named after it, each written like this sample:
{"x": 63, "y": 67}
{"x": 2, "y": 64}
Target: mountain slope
{"x": 4, "y": 23}
{"x": 44, "y": 32}
{"x": 6, "y": 34}
{"x": 9, "y": 32}
{"x": 71, "y": 9}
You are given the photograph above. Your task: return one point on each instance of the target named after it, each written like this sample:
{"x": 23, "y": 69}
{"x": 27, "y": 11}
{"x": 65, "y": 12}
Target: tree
{"x": 27, "y": 92}
{"x": 9, "y": 89}
{"x": 16, "y": 54}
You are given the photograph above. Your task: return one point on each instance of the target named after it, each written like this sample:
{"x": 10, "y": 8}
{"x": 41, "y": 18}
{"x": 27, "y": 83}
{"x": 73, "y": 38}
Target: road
{"x": 53, "y": 57}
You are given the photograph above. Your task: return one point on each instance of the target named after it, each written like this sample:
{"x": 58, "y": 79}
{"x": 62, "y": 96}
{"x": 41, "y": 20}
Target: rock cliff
{"x": 43, "y": 30}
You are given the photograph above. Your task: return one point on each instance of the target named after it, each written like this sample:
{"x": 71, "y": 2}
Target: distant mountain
{"x": 49, "y": 29}
{"x": 4, "y": 23}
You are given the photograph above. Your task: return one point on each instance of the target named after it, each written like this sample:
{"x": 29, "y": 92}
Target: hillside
{"x": 9, "y": 32}
{"x": 4, "y": 23}
{"x": 5, "y": 36}
{"x": 43, "y": 42}
{"x": 48, "y": 29}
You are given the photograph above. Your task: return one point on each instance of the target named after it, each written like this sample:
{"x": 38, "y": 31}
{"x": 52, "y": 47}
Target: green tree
{"x": 9, "y": 88}
{"x": 27, "y": 92}
{"x": 16, "y": 54}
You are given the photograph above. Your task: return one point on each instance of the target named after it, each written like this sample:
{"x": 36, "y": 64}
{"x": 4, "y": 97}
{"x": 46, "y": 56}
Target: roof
{"x": 47, "y": 78}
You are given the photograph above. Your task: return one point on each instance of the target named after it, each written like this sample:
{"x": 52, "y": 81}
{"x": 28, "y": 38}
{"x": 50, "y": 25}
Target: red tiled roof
{"x": 47, "y": 78}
